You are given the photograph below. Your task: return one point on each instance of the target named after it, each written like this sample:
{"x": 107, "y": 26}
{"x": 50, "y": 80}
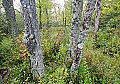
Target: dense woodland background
{"x": 100, "y": 62}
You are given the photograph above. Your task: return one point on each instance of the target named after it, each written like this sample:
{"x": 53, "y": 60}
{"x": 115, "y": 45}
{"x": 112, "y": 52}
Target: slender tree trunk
{"x": 86, "y": 22}
{"x": 64, "y": 15}
{"x": 86, "y": 25}
{"x": 32, "y": 37}
{"x": 56, "y": 19}
{"x": 88, "y": 16}
{"x": 63, "y": 18}
{"x": 11, "y": 18}
{"x": 47, "y": 25}
{"x": 65, "y": 22}
{"x": 97, "y": 16}
{"x": 75, "y": 29}
{"x": 40, "y": 15}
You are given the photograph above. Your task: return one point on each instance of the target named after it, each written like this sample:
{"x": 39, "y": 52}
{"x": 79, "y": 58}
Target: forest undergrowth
{"x": 100, "y": 62}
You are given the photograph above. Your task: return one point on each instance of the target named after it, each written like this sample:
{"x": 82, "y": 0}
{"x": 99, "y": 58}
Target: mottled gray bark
{"x": 32, "y": 37}
{"x": 78, "y": 36}
{"x": 11, "y": 18}
{"x": 40, "y": 15}
{"x": 74, "y": 34}
{"x": 97, "y": 16}
{"x": 88, "y": 15}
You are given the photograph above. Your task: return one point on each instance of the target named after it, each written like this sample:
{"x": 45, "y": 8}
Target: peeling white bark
{"x": 32, "y": 37}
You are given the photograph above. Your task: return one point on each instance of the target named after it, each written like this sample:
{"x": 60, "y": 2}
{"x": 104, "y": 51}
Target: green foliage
{"x": 110, "y": 16}
{"x": 68, "y": 11}
{"x": 101, "y": 55}
{"x": 6, "y": 47}
{"x": 104, "y": 60}
{"x": 97, "y": 67}
{"x": 52, "y": 46}
{"x": 10, "y": 58}
{"x": 109, "y": 42}
{"x": 45, "y": 4}
{"x": 3, "y": 26}
{"x": 20, "y": 21}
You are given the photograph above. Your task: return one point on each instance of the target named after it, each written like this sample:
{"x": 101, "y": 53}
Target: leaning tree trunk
{"x": 32, "y": 37}
{"x": 74, "y": 34}
{"x": 97, "y": 16}
{"x": 10, "y": 15}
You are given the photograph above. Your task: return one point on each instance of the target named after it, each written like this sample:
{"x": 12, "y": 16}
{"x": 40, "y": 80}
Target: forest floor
{"x": 100, "y": 62}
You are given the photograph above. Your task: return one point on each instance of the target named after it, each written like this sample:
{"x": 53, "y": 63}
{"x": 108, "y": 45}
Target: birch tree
{"x": 78, "y": 36}
{"x": 97, "y": 16}
{"x": 75, "y": 30}
{"x": 11, "y": 18}
{"x": 32, "y": 37}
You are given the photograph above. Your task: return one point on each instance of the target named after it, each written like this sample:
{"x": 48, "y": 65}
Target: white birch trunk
{"x": 32, "y": 37}
{"x": 97, "y": 16}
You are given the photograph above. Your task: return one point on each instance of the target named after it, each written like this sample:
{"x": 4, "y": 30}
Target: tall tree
{"x": 10, "y": 15}
{"x": 78, "y": 36}
{"x": 85, "y": 25}
{"x": 32, "y": 37}
{"x": 97, "y": 16}
{"x": 75, "y": 29}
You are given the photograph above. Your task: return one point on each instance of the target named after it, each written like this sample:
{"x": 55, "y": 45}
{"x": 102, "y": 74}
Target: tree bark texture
{"x": 40, "y": 15}
{"x": 97, "y": 16}
{"x": 74, "y": 34}
{"x": 78, "y": 36}
{"x": 11, "y": 18}
{"x": 32, "y": 37}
